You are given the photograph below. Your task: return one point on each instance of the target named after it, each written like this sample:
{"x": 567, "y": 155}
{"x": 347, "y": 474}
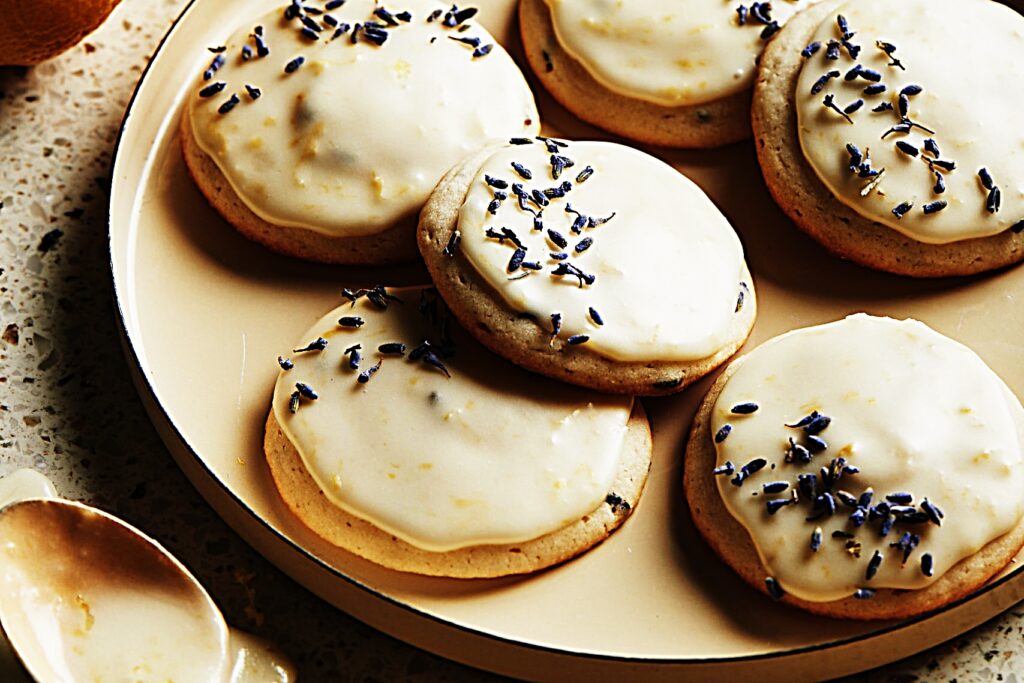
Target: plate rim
{"x": 140, "y": 374}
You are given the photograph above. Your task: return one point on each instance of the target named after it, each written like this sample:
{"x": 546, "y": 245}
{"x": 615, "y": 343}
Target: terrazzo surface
{"x": 69, "y": 410}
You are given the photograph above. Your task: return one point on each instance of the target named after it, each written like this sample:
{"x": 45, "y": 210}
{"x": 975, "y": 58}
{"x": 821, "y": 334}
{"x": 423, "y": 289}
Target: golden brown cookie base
{"x": 395, "y": 245}
{"x": 527, "y": 342}
{"x": 732, "y": 543}
{"x": 813, "y": 207}
{"x": 712, "y": 124}
{"x": 308, "y": 502}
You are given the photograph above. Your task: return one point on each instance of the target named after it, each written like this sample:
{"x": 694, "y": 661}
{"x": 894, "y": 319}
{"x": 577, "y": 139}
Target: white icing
{"x": 668, "y": 266}
{"x": 356, "y": 138}
{"x": 915, "y": 411}
{"x": 668, "y": 53}
{"x": 490, "y": 455}
{"x": 964, "y": 54}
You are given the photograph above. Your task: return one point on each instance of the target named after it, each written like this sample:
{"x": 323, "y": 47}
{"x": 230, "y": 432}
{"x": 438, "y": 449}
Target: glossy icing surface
{"x": 665, "y": 264}
{"x": 420, "y": 100}
{"x": 509, "y": 457}
{"x": 83, "y": 598}
{"x": 668, "y": 53}
{"x": 92, "y": 600}
{"x": 954, "y": 60}
{"x": 915, "y": 412}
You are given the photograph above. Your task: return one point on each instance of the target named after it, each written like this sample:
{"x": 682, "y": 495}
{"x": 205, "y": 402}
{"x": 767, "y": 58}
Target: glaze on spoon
{"x": 84, "y": 596}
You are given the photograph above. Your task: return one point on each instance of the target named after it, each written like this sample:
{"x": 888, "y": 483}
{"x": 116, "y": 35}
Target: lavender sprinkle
{"x": 212, "y": 89}
{"x": 727, "y": 469}
{"x": 723, "y": 433}
{"x": 229, "y": 104}
{"x": 810, "y": 50}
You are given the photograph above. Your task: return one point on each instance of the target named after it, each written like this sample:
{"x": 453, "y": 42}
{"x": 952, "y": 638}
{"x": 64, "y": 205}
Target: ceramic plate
{"x": 204, "y": 314}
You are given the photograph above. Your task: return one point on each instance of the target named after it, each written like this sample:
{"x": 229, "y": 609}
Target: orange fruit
{"x": 36, "y": 30}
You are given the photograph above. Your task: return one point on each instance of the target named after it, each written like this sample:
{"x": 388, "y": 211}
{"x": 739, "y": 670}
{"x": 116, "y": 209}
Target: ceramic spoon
{"x": 86, "y": 597}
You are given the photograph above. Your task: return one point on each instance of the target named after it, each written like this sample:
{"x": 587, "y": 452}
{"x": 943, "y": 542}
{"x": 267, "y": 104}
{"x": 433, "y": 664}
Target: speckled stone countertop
{"x": 69, "y": 410}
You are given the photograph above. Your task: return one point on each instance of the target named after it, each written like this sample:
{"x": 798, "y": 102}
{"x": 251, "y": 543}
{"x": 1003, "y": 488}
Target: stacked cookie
{"x": 489, "y": 424}
{"x": 672, "y": 74}
{"x": 860, "y": 469}
{"x": 879, "y": 138}
{"x": 320, "y": 129}
{"x": 589, "y": 262}
{"x": 448, "y": 461}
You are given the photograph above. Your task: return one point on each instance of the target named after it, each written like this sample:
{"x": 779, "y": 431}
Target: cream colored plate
{"x": 205, "y": 313}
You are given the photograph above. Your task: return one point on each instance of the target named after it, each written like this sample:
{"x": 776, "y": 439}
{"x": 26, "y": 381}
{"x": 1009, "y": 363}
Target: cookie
{"x": 590, "y": 262}
{"x": 320, "y": 130}
{"x": 864, "y": 469}
{"x": 648, "y": 71}
{"x": 397, "y": 437}
{"x": 897, "y": 150}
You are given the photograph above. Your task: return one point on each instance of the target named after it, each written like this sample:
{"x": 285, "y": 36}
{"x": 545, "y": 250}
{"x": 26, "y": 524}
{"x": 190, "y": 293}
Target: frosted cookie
{"x": 589, "y": 262}
{"x": 888, "y": 131}
{"x": 320, "y": 131}
{"x": 868, "y": 468}
{"x": 398, "y": 438}
{"x": 663, "y": 73}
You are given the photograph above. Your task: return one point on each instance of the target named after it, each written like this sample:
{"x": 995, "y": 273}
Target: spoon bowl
{"x": 84, "y": 596}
